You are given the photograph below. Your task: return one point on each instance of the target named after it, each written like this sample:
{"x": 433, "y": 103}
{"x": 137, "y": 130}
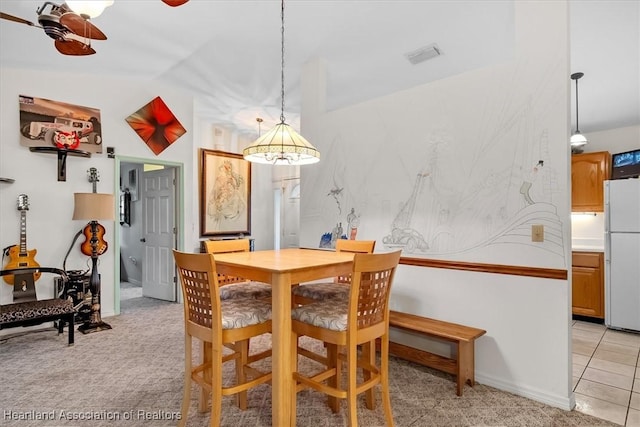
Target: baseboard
{"x": 562, "y": 402}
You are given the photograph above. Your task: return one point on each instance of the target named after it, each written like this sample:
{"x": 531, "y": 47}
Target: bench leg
{"x": 466, "y": 365}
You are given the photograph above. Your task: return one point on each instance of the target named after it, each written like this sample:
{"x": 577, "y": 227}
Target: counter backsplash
{"x": 587, "y": 232}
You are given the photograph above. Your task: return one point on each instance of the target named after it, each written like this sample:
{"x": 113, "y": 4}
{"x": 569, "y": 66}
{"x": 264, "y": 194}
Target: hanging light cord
{"x": 577, "y": 126}
{"x": 282, "y": 62}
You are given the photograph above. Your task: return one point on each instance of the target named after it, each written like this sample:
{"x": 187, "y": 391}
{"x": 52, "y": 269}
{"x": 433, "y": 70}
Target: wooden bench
{"x": 463, "y": 336}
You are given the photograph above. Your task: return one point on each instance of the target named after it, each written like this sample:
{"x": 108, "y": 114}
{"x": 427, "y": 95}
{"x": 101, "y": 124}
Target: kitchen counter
{"x": 587, "y": 248}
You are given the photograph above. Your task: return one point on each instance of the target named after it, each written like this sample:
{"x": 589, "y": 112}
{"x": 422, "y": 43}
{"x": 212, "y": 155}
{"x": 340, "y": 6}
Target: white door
{"x": 159, "y": 234}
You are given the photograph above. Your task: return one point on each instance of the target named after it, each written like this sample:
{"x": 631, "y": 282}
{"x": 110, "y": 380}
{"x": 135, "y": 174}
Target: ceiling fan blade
{"x": 82, "y": 27}
{"x": 73, "y": 48}
{"x": 16, "y": 19}
{"x": 175, "y": 3}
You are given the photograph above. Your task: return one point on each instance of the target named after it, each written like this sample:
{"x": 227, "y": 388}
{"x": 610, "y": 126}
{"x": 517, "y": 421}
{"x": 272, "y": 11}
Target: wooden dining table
{"x": 282, "y": 269}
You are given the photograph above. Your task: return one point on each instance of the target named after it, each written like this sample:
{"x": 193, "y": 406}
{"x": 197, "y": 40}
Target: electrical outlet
{"x": 537, "y": 233}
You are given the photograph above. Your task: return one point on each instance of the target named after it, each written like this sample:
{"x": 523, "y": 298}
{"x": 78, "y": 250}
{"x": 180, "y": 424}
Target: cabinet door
{"x": 588, "y": 284}
{"x": 588, "y": 173}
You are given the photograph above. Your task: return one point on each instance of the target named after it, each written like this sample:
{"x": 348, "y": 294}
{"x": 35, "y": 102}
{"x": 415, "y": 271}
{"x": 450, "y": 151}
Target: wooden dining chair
{"x": 218, "y": 324}
{"x": 356, "y": 321}
{"x": 232, "y": 286}
{"x": 337, "y": 288}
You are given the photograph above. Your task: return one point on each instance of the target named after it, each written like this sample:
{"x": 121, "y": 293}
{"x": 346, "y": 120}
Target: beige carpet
{"x": 132, "y": 375}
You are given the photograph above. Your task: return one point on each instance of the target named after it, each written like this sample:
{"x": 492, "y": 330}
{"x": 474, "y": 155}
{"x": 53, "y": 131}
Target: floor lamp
{"x": 92, "y": 207}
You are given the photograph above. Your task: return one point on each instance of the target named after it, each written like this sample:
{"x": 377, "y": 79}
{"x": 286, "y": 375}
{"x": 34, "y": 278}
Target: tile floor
{"x": 606, "y": 373}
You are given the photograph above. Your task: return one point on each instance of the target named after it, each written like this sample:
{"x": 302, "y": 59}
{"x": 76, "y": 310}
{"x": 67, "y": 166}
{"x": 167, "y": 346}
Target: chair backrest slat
{"x": 225, "y": 247}
{"x": 356, "y": 247}
{"x": 371, "y": 287}
{"x": 198, "y": 280}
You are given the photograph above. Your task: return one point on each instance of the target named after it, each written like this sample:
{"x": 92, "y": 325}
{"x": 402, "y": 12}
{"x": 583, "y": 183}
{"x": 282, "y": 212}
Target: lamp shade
{"x": 281, "y": 146}
{"x": 578, "y": 139}
{"x": 91, "y": 8}
{"x": 93, "y": 206}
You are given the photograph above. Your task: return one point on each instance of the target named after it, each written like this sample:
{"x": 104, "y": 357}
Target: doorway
{"x": 149, "y": 228}
{"x": 286, "y": 202}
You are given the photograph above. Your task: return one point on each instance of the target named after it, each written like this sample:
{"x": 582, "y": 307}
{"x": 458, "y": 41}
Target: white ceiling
{"x": 227, "y": 53}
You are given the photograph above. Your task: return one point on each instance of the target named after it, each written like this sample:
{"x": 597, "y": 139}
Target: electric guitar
{"x": 19, "y": 256}
{"x": 101, "y": 245}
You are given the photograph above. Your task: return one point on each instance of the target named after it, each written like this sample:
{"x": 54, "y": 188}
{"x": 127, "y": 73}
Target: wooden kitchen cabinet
{"x": 588, "y": 284}
{"x": 588, "y": 173}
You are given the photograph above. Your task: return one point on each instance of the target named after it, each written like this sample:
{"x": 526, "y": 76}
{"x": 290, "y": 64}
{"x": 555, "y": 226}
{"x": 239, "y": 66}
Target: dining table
{"x": 282, "y": 269}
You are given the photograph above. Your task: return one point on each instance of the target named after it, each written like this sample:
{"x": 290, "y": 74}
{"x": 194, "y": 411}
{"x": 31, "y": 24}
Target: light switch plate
{"x": 537, "y": 233}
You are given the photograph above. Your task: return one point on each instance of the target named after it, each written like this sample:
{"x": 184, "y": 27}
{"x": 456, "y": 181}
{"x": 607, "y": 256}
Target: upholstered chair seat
{"x": 236, "y": 287}
{"x": 339, "y": 287}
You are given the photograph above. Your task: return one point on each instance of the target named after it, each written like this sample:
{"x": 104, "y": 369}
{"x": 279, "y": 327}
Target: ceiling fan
{"x": 175, "y": 3}
{"x": 72, "y": 33}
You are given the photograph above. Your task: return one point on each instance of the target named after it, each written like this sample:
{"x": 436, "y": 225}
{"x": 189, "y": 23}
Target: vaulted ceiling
{"x": 227, "y": 53}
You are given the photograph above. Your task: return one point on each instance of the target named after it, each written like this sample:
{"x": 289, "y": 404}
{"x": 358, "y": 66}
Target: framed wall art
{"x": 225, "y": 194}
{"x": 156, "y": 125}
{"x": 48, "y": 123}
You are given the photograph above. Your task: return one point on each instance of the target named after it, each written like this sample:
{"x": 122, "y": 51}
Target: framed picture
{"x": 44, "y": 122}
{"x": 156, "y": 125}
{"x": 225, "y": 194}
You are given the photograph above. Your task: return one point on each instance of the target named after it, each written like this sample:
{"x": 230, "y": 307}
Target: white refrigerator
{"x": 622, "y": 254}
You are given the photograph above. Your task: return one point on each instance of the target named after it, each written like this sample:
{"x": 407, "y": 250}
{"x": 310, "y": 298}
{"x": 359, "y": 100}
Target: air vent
{"x": 424, "y": 53}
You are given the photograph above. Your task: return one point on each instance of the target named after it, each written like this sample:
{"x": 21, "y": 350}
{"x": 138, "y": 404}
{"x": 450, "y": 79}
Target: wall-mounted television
{"x": 626, "y": 165}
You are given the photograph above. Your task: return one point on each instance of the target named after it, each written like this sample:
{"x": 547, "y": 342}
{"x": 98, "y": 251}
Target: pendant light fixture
{"x": 578, "y": 140}
{"x": 281, "y": 145}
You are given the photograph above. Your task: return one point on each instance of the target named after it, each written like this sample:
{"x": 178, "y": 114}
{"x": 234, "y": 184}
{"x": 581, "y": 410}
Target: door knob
{"x": 143, "y": 240}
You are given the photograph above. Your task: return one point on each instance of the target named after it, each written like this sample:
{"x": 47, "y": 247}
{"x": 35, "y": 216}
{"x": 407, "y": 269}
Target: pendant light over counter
{"x": 578, "y": 140}
{"x": 282, "y": 145}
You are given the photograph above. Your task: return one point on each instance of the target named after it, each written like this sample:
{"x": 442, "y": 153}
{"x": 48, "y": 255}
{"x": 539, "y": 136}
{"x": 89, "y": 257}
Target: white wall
{"x": 217, "y": 137}
{"x": 614, "y": 140}
{"x": 49, "y": 226}
{"x": 473, "y": 143}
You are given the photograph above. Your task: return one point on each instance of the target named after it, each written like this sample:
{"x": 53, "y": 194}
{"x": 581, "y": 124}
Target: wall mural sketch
{"x": 353, "y": 221}
{"x": 443, "y": 196}
{"x": 402, "y": 234}
{"x": 498, "y": 209}
{"x": 336, "y": 193}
